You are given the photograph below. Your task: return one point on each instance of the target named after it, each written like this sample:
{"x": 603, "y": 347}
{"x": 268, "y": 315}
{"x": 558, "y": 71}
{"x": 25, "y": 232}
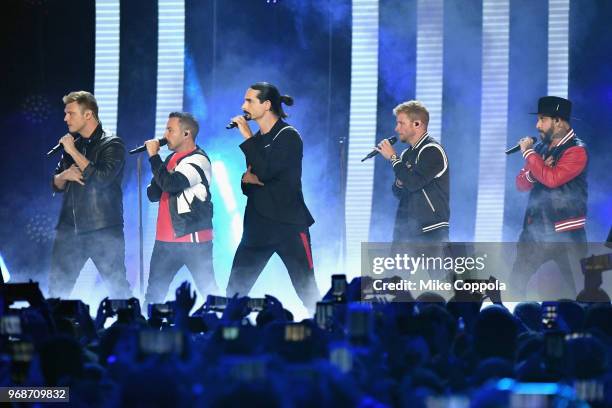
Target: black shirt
{"x": 275, "y": 210}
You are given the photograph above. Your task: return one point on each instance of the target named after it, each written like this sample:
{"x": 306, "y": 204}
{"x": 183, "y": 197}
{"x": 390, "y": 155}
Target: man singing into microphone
{"x": 555, "y": 176}
{"x": 276, "y": 218}
{"x": 421, "y": 178}
{"x": 91, "y": 219}
{"x": 181, "y": 185}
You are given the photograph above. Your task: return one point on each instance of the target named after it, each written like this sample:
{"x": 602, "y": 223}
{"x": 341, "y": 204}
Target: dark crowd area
{"x": 250, "y": 352}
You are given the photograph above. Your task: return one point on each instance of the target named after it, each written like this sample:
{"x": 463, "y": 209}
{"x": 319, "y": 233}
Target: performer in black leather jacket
{"x": 91, "y": 219}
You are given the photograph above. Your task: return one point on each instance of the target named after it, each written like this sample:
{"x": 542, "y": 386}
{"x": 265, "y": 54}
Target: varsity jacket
{"x": 191, "y": 208}
{"x": 557, "y": 183}
{"x": 422, "y": 186}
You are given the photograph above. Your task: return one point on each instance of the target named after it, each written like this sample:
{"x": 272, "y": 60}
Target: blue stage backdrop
{"x": 480, "y": 65}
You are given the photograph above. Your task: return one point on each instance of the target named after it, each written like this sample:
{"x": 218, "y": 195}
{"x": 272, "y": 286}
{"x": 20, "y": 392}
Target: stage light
{"x": 224, "y": 185}
{"x": 36, "y": 109}
{"x": 36, "y": 3}
{"x": 236, "y": 228}
{"x": 227, "y": 194}
{"x": 493, "y": 119}
{"x": 362, "y": 128}
{"x": 5, "y": 273}
{"x": 430, "y": 61}
{"x": 558, "y": 46}
{"x": 106, "y": 79}
{"x": 170, "y": 61}
{"x": 40, "y": 228}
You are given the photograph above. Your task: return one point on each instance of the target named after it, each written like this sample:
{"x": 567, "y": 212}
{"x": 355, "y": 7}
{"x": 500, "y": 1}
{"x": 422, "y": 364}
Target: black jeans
{"x": 434, "y": 242}
{"x": 105, "y": 247}
{"x": 534, "y": 251}
{"x": 169, "y": 257}
{"x": 294, "y": 251}
{"x": 437, "y": 235}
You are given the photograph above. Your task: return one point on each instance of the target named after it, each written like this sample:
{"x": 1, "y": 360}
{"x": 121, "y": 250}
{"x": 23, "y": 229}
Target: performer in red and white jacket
{"x": 181, "y": 185}
{"x": 555, "y": 174}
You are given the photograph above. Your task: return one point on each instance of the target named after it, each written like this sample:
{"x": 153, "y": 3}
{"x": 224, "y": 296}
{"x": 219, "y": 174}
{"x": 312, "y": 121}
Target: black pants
{"x": 437, "y": 235}
{"x": 105, "y": 247}
{"x": 433, "y": 242}
{"x": 532, "y": 252}
{"x": 169, "y": 257}
{"x": 294, "y": 251}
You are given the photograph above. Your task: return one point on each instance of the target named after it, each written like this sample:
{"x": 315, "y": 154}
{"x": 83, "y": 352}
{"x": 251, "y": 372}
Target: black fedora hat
{"x": 555, "y": 107}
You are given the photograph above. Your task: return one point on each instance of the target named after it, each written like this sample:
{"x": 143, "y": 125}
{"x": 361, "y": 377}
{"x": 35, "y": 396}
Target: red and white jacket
{"x": 556, "y": 179}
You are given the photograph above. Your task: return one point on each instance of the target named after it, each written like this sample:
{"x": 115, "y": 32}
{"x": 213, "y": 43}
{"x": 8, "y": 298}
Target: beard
{"x": 547, "y": 136}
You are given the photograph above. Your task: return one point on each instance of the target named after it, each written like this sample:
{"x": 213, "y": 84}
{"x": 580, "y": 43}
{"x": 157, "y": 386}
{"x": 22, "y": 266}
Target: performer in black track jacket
{"x": 276, "y": 218}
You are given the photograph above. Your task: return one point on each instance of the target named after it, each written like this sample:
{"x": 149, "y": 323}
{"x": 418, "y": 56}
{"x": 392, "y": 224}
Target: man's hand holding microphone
{"x": 72, "y": 173}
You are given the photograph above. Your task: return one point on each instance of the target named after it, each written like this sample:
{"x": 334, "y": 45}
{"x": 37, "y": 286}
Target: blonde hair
{"x": 85, "y": 100}
{"x": 415, "y": 110}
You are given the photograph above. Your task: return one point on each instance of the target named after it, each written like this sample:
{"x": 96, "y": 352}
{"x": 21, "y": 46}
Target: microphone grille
{"x": 393, "y": 139}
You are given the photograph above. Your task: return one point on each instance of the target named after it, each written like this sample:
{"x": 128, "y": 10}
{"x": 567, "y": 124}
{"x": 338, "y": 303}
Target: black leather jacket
{"x": 99, "y": 203}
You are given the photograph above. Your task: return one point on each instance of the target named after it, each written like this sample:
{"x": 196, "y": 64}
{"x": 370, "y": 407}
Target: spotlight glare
{"x": 6, "y": 276}
{"x": 236, "y": 228}
{"x": 224, "y": 185}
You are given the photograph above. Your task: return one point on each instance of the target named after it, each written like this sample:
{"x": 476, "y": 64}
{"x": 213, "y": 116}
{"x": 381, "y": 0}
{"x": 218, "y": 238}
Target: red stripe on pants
{"x": 307, "y": 249}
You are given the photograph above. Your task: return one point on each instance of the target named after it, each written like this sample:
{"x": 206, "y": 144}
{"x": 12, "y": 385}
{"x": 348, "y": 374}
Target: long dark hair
{"x": 268, "y": 92}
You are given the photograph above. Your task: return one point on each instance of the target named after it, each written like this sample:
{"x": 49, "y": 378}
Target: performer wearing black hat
{"x": 555, "y": 176}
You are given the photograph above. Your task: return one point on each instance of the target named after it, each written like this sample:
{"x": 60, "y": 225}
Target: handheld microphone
{"x": 518, "y": 146}
{"x": 232, "y": 125}
{"x": 162, "y": 142}
{"x": 392, "y": 140}
{"x": 58, "y": 146}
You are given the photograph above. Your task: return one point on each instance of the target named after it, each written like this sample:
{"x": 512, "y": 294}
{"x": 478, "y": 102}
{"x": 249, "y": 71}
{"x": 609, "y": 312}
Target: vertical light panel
{"x": 106, "y": 80}
{"x": 170, "y": 61}
{"x": 493, "y": 120}
{"x": 429, "y": 61}
{"x": 170, "y": 74}
{"x": 558, "y": 45}
{"x": 362, "y": 129}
